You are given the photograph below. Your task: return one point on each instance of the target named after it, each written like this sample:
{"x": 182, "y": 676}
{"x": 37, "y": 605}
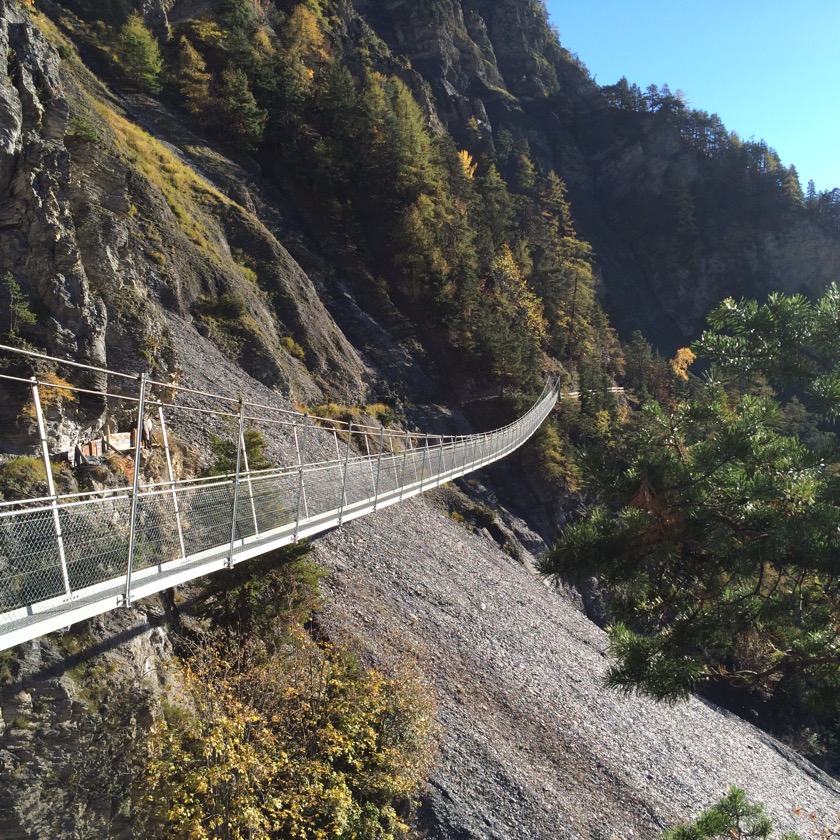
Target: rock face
{"x": 105, "y": 230}
{"x": 37, "y": 230}
{"x": 72, "y": 712}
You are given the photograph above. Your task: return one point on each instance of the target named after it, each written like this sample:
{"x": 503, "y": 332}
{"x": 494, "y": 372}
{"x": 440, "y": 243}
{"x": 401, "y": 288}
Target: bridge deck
{"x": 67, "y": 558}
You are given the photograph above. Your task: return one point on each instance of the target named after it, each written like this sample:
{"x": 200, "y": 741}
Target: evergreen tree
{"x": 239, "y": 119}
{"x": 19, "y": 313}
{"x": 731, "y": 818}
{"x": 492, "y": 215}
{"x": 639, "y": 358}
{"x": 236, "y": 15}
{"x": 718, "y": 533}
{"x": 139, "y": 55}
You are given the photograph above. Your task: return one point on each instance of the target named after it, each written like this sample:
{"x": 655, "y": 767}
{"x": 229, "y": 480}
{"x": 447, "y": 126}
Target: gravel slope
{"x": 532, "y": 744}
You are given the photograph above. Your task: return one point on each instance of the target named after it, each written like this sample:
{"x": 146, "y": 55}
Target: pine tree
{"x": 731, "y": 818}
{"x": 718, "y": 532}
{"x": 193, "y": 78}
{"x": 139, "y": 55}
{"x": 239, "y": 119}
{"x": 20, "y": 315}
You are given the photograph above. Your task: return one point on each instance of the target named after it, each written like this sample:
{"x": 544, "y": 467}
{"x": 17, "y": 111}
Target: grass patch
{"x": 292, "y": 347}
{"x": 361, "y": 415}
{"x": 186, "y": 192}
{"x": 23, "y": 477}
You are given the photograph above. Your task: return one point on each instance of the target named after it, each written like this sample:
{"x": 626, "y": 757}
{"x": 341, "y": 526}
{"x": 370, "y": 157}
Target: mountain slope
{"x": 144, "y": 239}
{"x": 680, "y": 213}
{"x": 533, "y": 744}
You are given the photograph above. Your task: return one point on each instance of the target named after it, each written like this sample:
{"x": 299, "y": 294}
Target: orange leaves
{"x": 682, "y": 361}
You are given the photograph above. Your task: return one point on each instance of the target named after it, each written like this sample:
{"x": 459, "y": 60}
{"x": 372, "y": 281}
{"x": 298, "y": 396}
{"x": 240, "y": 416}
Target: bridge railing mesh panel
{"x": 96, "y": 534}
{"x": 30, "y": 569}
{"x": 58, "y": 548}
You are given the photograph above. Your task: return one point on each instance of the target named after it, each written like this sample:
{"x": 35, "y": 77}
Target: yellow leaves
{"x": 53, "y": 392}
{"x": 681, "y": 362}
{"x": 262, "y": 45}
{"x": 305, "y": 46}
{"x": 206, "y": 32}
{"x": 513, "y": 294}
{"x": 467, "y": 164}
{"x": 297, "y": 745}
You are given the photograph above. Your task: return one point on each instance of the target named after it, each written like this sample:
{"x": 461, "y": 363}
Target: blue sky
{"x": 770, "y": 70}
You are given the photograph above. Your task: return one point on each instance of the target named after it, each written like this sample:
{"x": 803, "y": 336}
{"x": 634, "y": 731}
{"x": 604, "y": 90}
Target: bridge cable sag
{"x": 69, "y": 556}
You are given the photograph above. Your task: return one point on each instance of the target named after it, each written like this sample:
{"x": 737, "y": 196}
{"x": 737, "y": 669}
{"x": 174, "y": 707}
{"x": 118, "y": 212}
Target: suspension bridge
{"x": 68, "y": 556}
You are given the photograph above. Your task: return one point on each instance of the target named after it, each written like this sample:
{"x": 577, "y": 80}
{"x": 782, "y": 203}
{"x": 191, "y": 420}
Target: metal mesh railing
{"x": 65, "y": 556}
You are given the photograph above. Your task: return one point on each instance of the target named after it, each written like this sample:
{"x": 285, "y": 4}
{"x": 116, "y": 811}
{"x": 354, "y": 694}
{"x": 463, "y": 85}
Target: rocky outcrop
{"x": 74, "y": 710}
{"x": 37, "y": 230}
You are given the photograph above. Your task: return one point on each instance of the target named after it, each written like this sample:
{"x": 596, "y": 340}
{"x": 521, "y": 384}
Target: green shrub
{"x": 79, "y": 127}
{"x": 227, "y": 306}
{"x": 731, "y": 818}
{"x": 224, "y": 452}
{"x": 482, "y": 516}
{"x": 264, "y": 596}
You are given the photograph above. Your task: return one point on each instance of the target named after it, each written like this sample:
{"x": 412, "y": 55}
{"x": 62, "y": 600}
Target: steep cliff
{"x": 675, "y": 225}
{"x": 109, "y": 232}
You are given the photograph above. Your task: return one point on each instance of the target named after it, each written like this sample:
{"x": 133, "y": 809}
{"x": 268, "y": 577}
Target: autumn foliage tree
{"x": 193, "y": 79}
{"x": 304, "y": 743}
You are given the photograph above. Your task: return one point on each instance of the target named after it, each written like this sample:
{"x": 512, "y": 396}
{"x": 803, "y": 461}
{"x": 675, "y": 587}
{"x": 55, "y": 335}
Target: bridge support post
{"x": 344, "y": 476}
{"x": 135, "y": 488}
{"x": 240, "y": 446}
{"x": 423, "y": 462}
{"x": 45, "y": 454}
{"x": 378, "y": 466}
{"x": 250, "y": 484}
{"x": 171, "y": 475}
{"x": 369, "y": 462}
{"x": 301, "y": 453}
{"x": 405, "y": 458}
{"x": 393, "y": 453}
{"x": 440, "y": 459}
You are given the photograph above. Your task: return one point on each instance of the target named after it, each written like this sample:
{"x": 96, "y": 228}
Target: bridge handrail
{"x": 66, "y": 557}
